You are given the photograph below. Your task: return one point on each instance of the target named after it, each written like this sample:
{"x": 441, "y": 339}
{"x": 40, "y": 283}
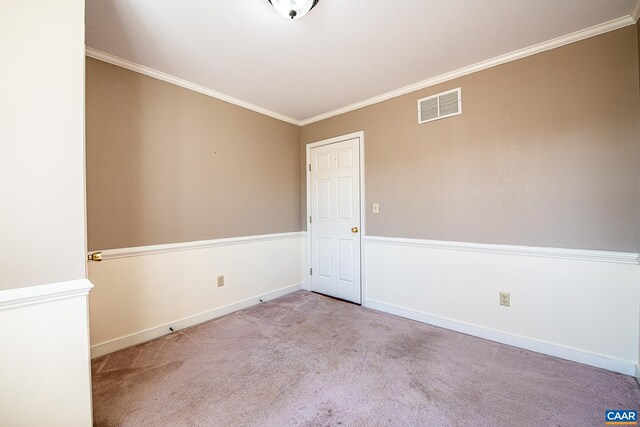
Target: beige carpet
{"x": 305, "y": 359}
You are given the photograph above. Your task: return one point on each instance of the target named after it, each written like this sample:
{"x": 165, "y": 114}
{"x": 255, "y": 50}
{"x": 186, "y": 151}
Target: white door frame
{"x": 360, "y": 136}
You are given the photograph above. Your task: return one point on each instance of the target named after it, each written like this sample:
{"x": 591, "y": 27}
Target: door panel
{"x": 324, "y": 199}
{"x": 335, "y": 210}
{"x": 323, "y": 162}
{"x": 345, "y": 260}
{"x": 345, "y": 198}
{"x": 324, "y": 257}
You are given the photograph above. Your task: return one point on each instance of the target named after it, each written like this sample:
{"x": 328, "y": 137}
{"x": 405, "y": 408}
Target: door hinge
{"x": 310, "y": 220}
{"x": 311, "y": 272}
{"x": 309, "y": 167}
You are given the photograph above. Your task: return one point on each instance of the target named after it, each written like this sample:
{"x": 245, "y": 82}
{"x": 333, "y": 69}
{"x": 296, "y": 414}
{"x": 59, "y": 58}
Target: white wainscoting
{"x": 573, "y": 304}
{"x": 140, "y": 292}
{"x": 44, "y": 361}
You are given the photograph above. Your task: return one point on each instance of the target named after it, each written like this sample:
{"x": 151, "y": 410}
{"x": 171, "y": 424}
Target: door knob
{"x": 354, "y": 229}
{"x": 96, "y": 256}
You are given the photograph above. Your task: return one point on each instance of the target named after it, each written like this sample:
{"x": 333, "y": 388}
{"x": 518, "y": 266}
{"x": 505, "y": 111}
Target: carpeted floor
{"x": 305, "y": 359}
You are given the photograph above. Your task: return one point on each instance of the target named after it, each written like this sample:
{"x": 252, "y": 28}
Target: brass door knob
{"x": 354, "y": 229}
{"x": 96, "y": 256}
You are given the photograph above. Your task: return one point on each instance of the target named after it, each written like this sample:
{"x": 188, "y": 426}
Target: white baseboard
{"x": 638, "y": 372}
{"x": 158, "y": 331}
{"x": 562, "y": 352}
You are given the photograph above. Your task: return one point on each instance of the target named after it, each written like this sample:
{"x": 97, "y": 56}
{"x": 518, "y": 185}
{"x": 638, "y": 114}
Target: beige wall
{"x": 166, "y": 164}
{"x": 41, "y": 142}
{"x": 546, "y": 153}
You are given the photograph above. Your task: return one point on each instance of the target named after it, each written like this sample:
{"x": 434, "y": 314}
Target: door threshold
{"x": 337, "y": 299}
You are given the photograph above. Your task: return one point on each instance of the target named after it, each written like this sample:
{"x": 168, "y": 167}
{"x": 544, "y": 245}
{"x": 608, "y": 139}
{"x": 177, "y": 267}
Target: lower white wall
{"x": 44, "y": 360}
{"x": 578, "y": 305}
{"x": 140, "y": 292}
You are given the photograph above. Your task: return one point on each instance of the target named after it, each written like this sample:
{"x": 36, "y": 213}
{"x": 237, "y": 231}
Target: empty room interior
{"x": 319, "y": 212}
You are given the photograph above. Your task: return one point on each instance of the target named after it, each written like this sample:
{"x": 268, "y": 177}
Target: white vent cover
{"x": 439, "y": 106}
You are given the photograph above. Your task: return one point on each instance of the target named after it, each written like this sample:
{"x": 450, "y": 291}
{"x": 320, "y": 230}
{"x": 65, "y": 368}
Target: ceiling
{"x": 342, "y": 53}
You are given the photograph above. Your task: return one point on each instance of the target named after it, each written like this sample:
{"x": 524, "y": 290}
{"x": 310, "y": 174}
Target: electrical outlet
{"x": 505, "y": 299}
{"x": 376, "y": 208}
{"x": 220, "y": 281}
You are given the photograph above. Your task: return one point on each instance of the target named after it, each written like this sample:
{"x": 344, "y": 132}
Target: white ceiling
{"x": 341, "y": 53}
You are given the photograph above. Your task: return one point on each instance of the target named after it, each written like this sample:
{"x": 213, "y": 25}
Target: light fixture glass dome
{"x": 293, "y": 9}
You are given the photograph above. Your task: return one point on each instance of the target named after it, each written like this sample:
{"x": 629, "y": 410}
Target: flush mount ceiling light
{"x": 293, "y": 9}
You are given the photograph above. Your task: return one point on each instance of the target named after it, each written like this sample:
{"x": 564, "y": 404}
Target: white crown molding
{"x": 498, "y": 60}
{"x": 574, "y": 254}
{"x": 110, "y": 346}
{"x": 200, "y": 244}
{"x": 626, "y": 367}
{"x": 29, "y": 295}
{"x": 111, "y": 59}
{"x": 635, "y": 11}
{"x": 586, "y": 33}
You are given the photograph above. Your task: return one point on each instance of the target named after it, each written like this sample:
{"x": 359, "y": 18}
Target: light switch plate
{"x": 376, "y": 208}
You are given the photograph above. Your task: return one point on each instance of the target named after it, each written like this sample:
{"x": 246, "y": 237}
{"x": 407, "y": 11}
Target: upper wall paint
{"x": 42, "y": 225}
{"x": 546, "y": 153}
{"x": 166, "y": 164}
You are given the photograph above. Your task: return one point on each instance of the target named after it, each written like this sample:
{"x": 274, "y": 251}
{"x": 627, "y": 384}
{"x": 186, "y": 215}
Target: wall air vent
{"x": 439, "y": 106}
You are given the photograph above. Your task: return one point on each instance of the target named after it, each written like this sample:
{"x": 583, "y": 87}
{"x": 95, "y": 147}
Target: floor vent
{"x": 439, "y": 106}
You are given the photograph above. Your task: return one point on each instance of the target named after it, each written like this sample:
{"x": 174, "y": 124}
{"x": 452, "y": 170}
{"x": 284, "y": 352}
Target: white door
{"x": 335, "y": 219}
